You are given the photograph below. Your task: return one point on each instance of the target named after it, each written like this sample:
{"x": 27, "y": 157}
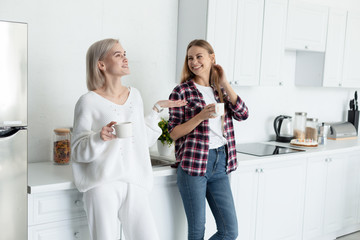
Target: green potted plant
{"x": 164, "y": 142}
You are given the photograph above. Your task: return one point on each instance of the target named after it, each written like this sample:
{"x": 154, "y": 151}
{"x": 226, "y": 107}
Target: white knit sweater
{"x": 95, "y": 161}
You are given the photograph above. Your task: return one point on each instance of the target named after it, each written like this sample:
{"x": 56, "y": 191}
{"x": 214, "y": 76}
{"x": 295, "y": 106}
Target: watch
{"x": 158, "y": 107}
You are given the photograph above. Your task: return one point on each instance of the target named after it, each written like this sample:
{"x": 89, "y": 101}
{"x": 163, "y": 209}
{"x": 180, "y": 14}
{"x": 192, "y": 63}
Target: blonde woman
{"x": 114, "y": 174}
{"x": 205, "y": 144}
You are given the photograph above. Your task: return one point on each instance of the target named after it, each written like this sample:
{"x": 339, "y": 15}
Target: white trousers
{"x": 107, "y": 204}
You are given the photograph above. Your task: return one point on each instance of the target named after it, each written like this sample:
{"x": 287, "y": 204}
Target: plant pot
{"x": 164, "y": 149}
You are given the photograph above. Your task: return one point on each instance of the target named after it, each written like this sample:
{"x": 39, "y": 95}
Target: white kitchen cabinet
{"x": 273, "y": 42}
{"x": 249, "y": 26}
{"x": 269, "y": 199}
{"x": 234, "y": 28}
{"x": 167, "y": 209}
{"x": 351, "y": 73}
{"x": 221, "y": 32}
{"x": 324, "y": 196}
{"x": 57, "y": 215}
{"x": 334, "y": 55}
{"x": 74, "y": 229}
{"x": 352, "y": 193}
{"x": 306, "y": 27}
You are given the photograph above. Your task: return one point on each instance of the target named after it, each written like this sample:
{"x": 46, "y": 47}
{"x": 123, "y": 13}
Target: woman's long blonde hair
{"x": 186, "y": 73}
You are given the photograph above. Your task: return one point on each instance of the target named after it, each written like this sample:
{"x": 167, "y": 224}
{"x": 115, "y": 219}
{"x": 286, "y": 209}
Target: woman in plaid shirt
{"x": 204, "y": 143}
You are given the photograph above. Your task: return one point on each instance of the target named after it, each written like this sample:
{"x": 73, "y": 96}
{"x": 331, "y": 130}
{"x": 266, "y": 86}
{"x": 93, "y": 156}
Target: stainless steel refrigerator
{"x": 13, "y": 130}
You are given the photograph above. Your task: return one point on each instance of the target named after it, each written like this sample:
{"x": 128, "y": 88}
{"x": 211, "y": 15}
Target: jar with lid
{"x": 299, "y": 125}
{"x": 61, "y": 147}
{"x": 311, "y": 131}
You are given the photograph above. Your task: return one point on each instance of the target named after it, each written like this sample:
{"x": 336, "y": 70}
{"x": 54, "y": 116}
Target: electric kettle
{"x": 283, "y": 128}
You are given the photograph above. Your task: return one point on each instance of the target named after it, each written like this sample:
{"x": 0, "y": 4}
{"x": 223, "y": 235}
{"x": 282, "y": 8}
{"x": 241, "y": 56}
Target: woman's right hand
{"x": 207, "y": 112}
{"x": 106, "y": 133}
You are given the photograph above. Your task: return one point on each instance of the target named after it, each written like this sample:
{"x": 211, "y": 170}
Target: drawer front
{"x": 56, "y": 206}
{"x": 69, "y": 230}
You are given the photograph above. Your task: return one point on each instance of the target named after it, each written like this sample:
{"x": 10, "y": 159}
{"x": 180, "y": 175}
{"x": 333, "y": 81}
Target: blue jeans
{"x": 215, "y": 187}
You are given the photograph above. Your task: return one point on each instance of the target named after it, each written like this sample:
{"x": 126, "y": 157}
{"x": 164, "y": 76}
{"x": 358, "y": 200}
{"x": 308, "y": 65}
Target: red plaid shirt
{"x": 191, "y": 150}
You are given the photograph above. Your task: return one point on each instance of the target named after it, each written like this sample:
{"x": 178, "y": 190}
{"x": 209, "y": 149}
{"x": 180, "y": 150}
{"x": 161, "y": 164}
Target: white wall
{"x": 60, "y": 33}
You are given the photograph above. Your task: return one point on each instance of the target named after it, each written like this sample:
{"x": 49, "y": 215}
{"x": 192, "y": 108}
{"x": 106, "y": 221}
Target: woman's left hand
{"x": 171, "y": 104}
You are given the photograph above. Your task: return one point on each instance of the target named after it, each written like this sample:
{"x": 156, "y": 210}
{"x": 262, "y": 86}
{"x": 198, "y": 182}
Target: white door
{"x": 244, "y": 185}
{"x": 334, "y": 198}
{"x": 352, "y": 189}
{"x": 248, "y": 42}
{"x": 334, "y": 55}
{"x": 273, "y": 42}
{"x": 314, "y": 197}
{"x": 281, "y": 200}
{"x": 306, "y": 26}
{"x": 221, "y": 33}
{"x": 351, "y": 73}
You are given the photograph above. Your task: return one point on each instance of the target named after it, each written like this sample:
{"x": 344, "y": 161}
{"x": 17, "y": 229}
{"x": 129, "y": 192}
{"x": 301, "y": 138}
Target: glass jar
{"x": 311, "y": 131}
{"x": 61, "y": 147}
{"x": 299, "y": 125}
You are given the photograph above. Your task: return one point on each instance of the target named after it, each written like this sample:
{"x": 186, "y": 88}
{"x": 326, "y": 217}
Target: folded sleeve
{"x": 153, "y": 130}
{"x": 176, "y": 114}
{"x": 239, "y": 109}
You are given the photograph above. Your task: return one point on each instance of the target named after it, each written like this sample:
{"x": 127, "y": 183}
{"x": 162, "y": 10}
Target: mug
{"x": 219, "y": 110}
{"x": 123, "y": 130}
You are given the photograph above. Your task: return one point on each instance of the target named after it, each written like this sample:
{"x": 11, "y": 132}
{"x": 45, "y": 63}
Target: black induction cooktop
{"x": 263, "y": 149}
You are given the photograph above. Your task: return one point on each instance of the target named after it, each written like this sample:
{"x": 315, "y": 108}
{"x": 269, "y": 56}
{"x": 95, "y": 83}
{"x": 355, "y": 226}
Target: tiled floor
{"x": 354, "y": 236}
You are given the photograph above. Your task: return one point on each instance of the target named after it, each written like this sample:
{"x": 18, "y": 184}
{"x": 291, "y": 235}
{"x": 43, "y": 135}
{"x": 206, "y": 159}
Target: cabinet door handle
{"x": 306, "y": 47}
{"x": 261, "y": 170}
{"x": 78, "y": 203}
{"x": 77, "y": 235}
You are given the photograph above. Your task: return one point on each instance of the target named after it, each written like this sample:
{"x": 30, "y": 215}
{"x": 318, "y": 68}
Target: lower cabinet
{"x": 70, "y": 229}
{"x": 57, "y": 215}
{"x": 351, "y": 207}
{"x": 281, "y": 198}
{"x": 269, "y": 199}
{"x": 332, "y": 196}
{"x": 167, "y": 209}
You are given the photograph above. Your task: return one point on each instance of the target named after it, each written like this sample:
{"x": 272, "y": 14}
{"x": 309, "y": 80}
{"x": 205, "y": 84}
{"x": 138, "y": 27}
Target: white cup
{"x": 123, "y": 130}
{"x": 219, "y": 109}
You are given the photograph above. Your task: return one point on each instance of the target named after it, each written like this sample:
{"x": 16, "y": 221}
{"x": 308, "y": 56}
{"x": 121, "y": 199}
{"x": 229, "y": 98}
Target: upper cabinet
{"x": 247, "y": 37}
{"x": 351, "y": 72}
{"x": 334, "y": 55}
{"x": 249, "y": 25}
{"x": 337, "y": 66}
{"x": 306, "y": 27}
{"x": 272, "y": 54}
{"x": 250, "y": 37}
{"x": 221, "y": 33}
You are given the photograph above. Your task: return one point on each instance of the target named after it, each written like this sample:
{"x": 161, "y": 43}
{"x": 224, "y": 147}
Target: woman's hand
{"x": 106, "y": 133}
{"x": 222, "y": 77}
{"x": 171, "y": 104}
{"x": 207, "y": 112}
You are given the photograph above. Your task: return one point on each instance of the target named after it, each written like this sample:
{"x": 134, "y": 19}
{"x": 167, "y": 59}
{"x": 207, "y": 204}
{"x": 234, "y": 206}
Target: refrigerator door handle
{"x": 7, "y": 132}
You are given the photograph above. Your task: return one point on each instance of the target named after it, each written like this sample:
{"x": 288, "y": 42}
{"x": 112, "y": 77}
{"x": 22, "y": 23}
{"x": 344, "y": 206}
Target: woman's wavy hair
{"x": 186, "y": 73}
{"x": 96, "y": 52}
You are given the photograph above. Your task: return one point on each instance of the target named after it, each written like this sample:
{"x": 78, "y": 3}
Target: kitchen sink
{"x": 161, "y": 163}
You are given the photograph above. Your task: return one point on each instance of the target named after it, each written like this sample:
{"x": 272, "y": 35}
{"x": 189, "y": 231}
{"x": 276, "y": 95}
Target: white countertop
{"x": 45, "y": 176}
